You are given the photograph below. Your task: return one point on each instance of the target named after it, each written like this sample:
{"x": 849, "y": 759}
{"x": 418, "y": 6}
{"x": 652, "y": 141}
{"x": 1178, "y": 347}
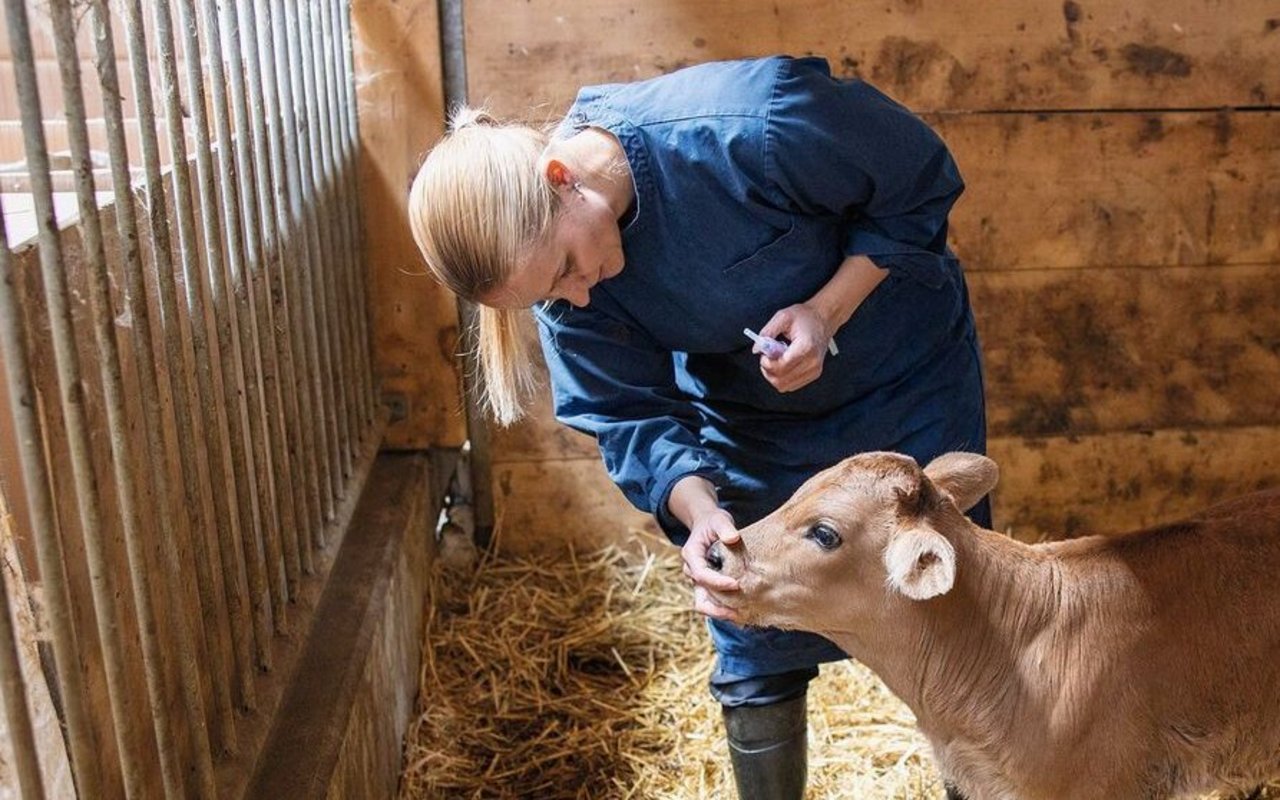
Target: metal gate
{"x": 186, "y": 363}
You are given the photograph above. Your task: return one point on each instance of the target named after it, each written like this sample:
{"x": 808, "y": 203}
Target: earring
{"x": 577, "y": 187}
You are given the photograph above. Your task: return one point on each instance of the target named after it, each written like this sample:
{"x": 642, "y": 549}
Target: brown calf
{"x": 1138, "y": 666}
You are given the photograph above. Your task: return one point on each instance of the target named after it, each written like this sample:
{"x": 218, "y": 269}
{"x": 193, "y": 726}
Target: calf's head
{"x": 872, "y": 528}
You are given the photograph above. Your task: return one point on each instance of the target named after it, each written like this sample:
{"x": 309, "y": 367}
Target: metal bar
{"x": 229, "y": 30}
{"x": 322, "y": 36}
{"x": 292, "y": 508}
{"x": 454, "y": 67}
{"x": 303, "y": 92}
{"x": 190, "y": 688}
{"x": 307, "y": 499}
{"x": 70, "y": 397}
{"x": 193, "y": 427}
{"x": 17, "y": 715}
{"x": 48, "y": 545}
{"x": 14, "y": 688}
{"x": 230, "y": 450}
{"x": 304, "y": 320}
{"x": 351, "y": 154}
{"x": 238, "y": 373}
{"x": 320, "y": 195}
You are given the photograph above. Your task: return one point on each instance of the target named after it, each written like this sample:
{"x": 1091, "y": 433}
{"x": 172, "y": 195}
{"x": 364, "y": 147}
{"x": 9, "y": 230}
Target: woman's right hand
{"x": 715, "y": 525}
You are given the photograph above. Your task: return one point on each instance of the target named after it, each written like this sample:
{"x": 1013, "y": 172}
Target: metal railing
{"x": 190, "y": 382}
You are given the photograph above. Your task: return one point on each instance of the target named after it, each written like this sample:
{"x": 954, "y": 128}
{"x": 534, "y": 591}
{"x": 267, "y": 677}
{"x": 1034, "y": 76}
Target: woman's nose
{"x": 579, "y": 295}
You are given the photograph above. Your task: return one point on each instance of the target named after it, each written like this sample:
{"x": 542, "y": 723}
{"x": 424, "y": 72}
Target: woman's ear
{"x": 558, "y": 174}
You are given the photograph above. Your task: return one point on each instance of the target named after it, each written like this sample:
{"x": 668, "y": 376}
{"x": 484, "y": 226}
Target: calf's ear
{"x": 964, "y": 477}
{"x": 921, "y": 563}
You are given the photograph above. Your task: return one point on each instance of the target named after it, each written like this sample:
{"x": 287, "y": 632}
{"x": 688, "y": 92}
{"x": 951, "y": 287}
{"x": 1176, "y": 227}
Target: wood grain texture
{"x": 1070, "y": 486}
{"x": 1100, "y": 190}
{"x": 401, "y": 110}
{"x": 965, "y": 55}
{"x": 1050, "y": 487}
{"x": 1074, "y": 352}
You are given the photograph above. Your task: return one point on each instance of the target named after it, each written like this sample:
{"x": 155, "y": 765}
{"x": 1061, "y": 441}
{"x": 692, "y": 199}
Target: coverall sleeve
{"x": 841, "y": 147}
{"x": 613, "y": 382}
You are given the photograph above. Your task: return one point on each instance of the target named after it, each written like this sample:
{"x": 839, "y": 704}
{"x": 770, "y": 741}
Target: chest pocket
{"x": 769, "y": 251}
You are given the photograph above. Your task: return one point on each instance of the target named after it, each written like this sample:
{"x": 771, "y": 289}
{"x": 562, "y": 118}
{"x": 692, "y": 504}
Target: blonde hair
{"x": 477, "y": 203}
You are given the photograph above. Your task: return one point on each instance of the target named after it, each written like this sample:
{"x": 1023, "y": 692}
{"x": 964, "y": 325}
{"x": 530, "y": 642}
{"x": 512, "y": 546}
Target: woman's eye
{"x": 824, "y": 536}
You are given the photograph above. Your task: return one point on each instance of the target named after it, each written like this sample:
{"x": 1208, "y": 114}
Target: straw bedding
{"x": 584, "y": 676}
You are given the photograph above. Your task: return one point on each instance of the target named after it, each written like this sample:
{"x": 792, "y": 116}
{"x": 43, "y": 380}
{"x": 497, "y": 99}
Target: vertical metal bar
{"x": 323, "y": 361}
{"x": 271, "y": 46}
{"x": 103, "y": 580}
{"x": 254, "y": 515}
{"x": 198, "y": 430}
{"x": 351, "y": 155}
{"x": 339, "y": 265}
{"x": 49, "y": 555}
{"x": 16, "y": 713}
{"x": 248, "y": 292}
{"x": 230, "y": 451}
{"x": 324, "y": 265}
{"x": 285, "y": 15}
{"x": 190, "y": 687}
{"x": 454, "y": 64}
{"x": 292, "y": 508}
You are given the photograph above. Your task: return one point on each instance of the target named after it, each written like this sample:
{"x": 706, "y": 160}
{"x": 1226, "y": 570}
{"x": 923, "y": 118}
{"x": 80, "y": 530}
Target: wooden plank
{"x": 75, "y": 552}
{"x": 49, "y": 82}
{"x": 370, "y": 762}
{"x": 42, "y": 33}
{"x": 964, "y": 55}
{"x": 1049, "y": 487}
{"x": 1084, "y": 352}
{"x": 31, "y": 632}
{"x": 359, "y": 655}
{"x": 1139, "y": 189}
{"x": 1100, "y": 351}
{"x": 555, "y": 503}
{"x": 401, "y": 109}
{"x": 539, "y": 436}
{"x": 13, "y": 152}
{"x": 1069, "y": 486}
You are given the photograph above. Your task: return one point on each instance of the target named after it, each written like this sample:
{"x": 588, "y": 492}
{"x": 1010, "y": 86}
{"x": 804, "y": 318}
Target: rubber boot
{"x": 768, "y": 747}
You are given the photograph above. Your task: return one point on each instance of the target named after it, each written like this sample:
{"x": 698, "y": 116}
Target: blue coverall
{"x": 753, "y": 181}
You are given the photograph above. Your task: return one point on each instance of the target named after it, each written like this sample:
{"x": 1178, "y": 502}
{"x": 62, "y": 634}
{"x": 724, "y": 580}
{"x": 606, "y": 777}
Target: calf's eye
{"x": 824, "y": 535}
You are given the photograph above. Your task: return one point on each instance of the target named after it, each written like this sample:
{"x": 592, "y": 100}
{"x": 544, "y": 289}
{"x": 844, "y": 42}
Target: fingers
{"x": 694, "y": 553}
{"x": 725, "y": 531}
{"x": 705, "y": 577}
{"x": 789, "y": 377}
{"x": 706, "y": 605}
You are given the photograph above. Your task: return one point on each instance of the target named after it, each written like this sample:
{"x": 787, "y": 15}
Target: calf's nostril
{"x": 715, "y": 557}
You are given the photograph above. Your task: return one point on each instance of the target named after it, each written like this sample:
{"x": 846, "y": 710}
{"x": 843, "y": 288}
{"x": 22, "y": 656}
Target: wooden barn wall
{"x": 400, "y": 103}
{"x": 1120, "y": 231}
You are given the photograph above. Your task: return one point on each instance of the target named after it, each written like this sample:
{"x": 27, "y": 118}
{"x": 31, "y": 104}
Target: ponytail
{"x": 476, "y": 204}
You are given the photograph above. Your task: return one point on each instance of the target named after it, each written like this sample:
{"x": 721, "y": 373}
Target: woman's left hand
{"x": 806, "y": 332}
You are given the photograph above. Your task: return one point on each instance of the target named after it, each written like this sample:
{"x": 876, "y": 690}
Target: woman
{"x": 662, "y": 219}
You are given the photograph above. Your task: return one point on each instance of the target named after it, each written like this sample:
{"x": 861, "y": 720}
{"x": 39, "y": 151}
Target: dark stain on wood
{"x": 906, "y": 65}
{"x": 849, "y": 67}
{"x": 1152, "y": 130}
{"x": 1152, "y": 60}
